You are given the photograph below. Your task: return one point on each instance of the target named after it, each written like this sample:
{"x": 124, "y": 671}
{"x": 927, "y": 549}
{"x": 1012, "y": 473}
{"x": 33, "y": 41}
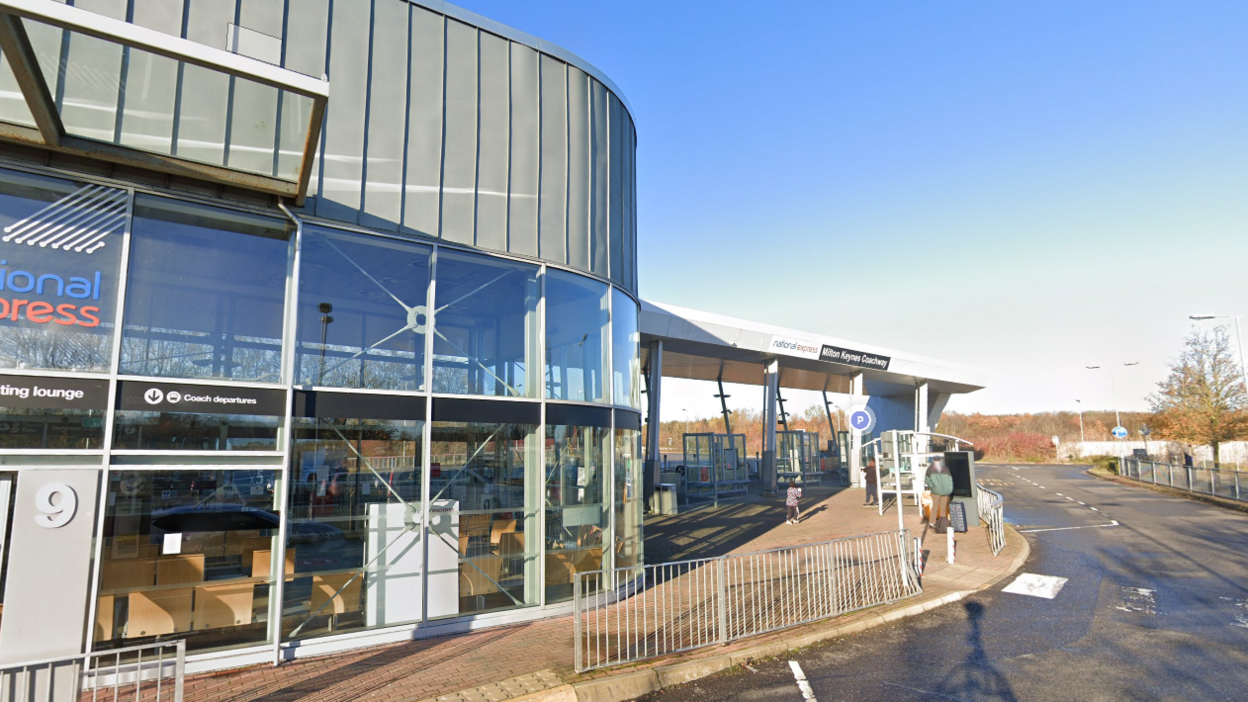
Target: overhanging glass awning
{"x": 82, "y": 83}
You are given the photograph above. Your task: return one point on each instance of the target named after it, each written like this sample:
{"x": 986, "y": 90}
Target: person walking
{"x": 873, "y": 484}
{"x": 791, "y": 501}
{"x": 940, "y": 483}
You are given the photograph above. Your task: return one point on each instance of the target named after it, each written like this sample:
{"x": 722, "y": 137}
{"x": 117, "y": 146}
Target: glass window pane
{"x": 575, "y": 514}
{"x": 362, "y": 312}
{"x": 577, "y": 335}
{"x": 625, "y": 351}
{"x": 187, "y": 431}
{"x": 354, "y": 506}
{"x": 485, "y": 326}
{"x": 206, "y": 293}
{"x": 488, "y": 473}
{"x": 187, "y": 554}
{"x": 60, "y": 260}
{"x": 628, "y": 504}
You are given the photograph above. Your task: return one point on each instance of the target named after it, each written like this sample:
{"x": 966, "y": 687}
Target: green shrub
{"x": 1109, "y": 463}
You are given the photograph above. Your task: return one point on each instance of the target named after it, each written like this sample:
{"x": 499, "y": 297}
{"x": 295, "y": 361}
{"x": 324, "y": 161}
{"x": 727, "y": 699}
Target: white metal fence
{"x": 671, "y": 607}
{"x": 1206, "y": 481}
{"x": 992, "y": 513}
{"x": 151, "y": 672}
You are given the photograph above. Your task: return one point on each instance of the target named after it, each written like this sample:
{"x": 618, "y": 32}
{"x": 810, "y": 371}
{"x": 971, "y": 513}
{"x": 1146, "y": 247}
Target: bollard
{"x": 949, "y": 545}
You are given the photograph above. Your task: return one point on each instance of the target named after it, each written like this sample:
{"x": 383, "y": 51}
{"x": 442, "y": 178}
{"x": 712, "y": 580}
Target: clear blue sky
{"x": 1024, "y": 187}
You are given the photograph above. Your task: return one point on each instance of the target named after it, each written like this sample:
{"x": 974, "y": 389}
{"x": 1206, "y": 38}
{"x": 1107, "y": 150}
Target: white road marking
{"x": 1138, "y": 599}
{"x": 1085, "y": 504}
{"x": 1112, "y": 523}
{"x": 1070, "y": 498}
{"x": 802, "y": 684}
{"x": 1094, "y": 509}
{"x": 1241, "y": 620}
{"x": 1033, "y": 585}
{"x": 1059, "y": 494}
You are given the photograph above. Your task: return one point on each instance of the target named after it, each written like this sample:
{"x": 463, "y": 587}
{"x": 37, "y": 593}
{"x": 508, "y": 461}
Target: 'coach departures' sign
{"x": 849, "y": 357}
{"x": 204, "y": 399}
{"x": 53, "y": 393}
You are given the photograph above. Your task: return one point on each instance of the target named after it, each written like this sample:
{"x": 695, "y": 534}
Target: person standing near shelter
{"x": 873, "y": 484}
{"x": 791, "y": 501}
{"x": 940, "y": 483}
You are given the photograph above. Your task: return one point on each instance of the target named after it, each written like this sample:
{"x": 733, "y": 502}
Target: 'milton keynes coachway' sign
{"x": 849, "y": 357}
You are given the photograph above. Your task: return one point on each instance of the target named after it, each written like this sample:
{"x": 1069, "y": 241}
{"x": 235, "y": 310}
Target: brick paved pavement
{"x": 507, "y": 661}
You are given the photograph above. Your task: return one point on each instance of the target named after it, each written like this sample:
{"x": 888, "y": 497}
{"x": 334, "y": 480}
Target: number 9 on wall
{"x": 56, "y": 504}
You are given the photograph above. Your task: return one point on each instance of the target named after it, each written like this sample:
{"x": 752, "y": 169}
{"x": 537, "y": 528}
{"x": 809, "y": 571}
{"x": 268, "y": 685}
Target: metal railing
{"x": 992, "y": 514}
{"x": 131, "y": 673}
{"x": 1204, "y": 481}
{"x": 665, "y": 608}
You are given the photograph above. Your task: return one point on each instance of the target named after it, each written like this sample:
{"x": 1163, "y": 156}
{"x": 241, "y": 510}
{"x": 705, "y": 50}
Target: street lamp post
{"x": 1080, "y": 403}
{"x": 1113, "y": 388}
{"x": 1243, "y": 369}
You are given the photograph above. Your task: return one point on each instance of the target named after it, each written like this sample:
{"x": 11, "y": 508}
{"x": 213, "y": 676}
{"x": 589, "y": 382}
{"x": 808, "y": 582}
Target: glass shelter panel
{"x": 206, "y": 293}
{"x": 487, "y": 474}
{"x": 625, "y": 351}
{"x": 60, "y": 262}
{"x": 362, "y": 314}
{"x": 577, "y": 337}
{"x": 576, "y": 518}
{"x": 485, "y": 330}
{"x": 797, "y": 456}
{"x": 187, "y": 554}
{"x": 355, "y": 522}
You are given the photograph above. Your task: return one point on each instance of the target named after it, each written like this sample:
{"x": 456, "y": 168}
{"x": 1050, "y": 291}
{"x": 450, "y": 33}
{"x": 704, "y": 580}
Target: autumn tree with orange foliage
{"x": 1203, "y": 400}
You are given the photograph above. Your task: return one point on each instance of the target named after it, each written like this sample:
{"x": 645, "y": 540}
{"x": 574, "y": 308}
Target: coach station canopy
{"x": 701, "y": 345}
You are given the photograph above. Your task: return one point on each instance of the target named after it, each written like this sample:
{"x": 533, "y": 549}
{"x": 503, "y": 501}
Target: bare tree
{"x": 1202, "y": 401}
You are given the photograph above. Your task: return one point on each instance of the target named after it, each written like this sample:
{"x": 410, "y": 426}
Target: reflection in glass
{"x": 188, "y": 554}
{"x": 489, "y": 471}
{"x": 187, "y": 431}
{"x": 206, "y": 293}
{"x": 485, "y": 326}
{"x": 625, "y": 351}
{"x": 628, "y": 504}
{"x": 575, "y": 518}
{"x": 362, "y": 312}
{"x": 58, "y": 272}
{"x": 29, "y": 427}
{"x": 577, "y": 335}
{"x": 363, "y": 478}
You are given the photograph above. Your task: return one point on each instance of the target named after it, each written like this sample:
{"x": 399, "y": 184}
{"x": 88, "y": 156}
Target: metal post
{"x": 653, "y": 461}
{"x": 771, "y": 388}
{"x": 1189, "y": 480}
{"x": 949, "y": 544}
{"x": 1236, "y": 485}
{"x": 721, "y": 572}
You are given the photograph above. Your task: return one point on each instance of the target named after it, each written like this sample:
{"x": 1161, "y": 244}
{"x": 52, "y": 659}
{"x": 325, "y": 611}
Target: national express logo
{"x": 798, "y": 347}
{"x": 76, "y": 225}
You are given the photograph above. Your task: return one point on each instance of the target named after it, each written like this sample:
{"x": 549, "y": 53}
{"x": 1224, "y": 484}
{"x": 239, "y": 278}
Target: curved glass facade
{"x": 305, "y": 431}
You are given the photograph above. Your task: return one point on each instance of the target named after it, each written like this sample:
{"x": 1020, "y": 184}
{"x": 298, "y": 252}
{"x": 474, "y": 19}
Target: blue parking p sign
{"x": 860, "y": 419}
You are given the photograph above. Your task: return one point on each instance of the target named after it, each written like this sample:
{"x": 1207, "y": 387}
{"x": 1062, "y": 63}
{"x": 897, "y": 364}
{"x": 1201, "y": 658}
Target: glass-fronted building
{"x": 283, "y": 374}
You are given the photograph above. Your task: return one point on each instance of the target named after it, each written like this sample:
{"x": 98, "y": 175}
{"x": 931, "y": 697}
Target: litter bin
{"x": 667, "y": 498}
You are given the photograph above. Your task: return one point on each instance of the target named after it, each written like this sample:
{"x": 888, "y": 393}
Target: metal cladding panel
{"x": 342, "y": 161}
{"x": 628, "y": 203}
{"x": 253, "y": 131}
{"x": 422, "y": 202}
{"x": 151, "y": 83}
{"x": 459, "y": 179}
{"x": 616, "y": 179}
{"x": 632, "y": 205}
{"x": 525, "y": 151}
{"x": 203, "y": 95}
{"x": 578, "y": 168}
{"x": 600, "y": 156}
{"x": 88, "y": 97}
{"x": 303, "y": 50}
{"x": 553, "y": 200}
{"x": 493, "y": 134}
{"x": 387, "y": 113}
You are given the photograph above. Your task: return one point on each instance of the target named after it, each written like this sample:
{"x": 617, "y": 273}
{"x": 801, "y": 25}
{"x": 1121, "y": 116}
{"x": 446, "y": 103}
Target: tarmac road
{"x": 1155, "y": 607}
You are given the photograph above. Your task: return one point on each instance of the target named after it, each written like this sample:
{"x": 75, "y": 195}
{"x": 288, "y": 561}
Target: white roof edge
{"x": 507, "y": 32}
{"x": 955, "y": 372}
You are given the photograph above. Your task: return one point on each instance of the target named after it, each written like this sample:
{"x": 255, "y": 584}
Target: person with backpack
{"x": 940, "y": 483}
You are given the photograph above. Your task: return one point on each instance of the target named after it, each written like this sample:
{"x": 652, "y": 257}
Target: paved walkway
{"x": 504, "y": 662}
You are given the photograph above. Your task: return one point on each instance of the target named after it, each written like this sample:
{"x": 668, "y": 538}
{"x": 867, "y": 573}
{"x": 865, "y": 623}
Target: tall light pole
{"x": 686, "y": 422}
{"x": 1243, "y": 369}
{"x": 1113, "y": 388}
{"x": 1080, "y": 403}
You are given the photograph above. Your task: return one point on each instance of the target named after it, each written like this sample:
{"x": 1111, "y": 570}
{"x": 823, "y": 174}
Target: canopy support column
{"x": 654, "y": 391}
{"x": 771, "y": 381}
